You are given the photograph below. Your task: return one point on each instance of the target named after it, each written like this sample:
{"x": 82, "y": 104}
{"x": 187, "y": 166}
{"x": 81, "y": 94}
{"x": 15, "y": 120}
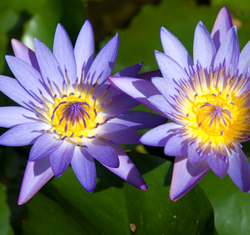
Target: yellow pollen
{"x": 214, "y": 111}
{"x": 74, "y": 115}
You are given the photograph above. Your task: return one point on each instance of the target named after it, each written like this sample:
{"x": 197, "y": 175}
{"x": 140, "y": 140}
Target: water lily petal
{"x": 138, "y": 89}
{"x": 127, "y": 170}
{"x": 204, "y": 48}
{"x": 24, "y": 53}
{"x": 23, "y": 134}
{"x": 61, "y": 158}
{"x": 221, "y": 26}
{"x": 194, "y": 156}
{"x": 170, "y": 69}
{"x": 44, "y": 146}
{"x": 139, "y": 120}
{"x": 84, "y": 167}
{"x": 173, "y": 48}
{"x": 159, "y": 135}
{"x": 118, "y": 133}
{"x": 103, "y": 152}
{"x": 13, "y": 115}
{"x": 84, "y": 48}
{"x": 186, "y": 176}
{"x": 36, "y": 175}
{"x": 104, "y": 62}
{"x": 62, "y": 46}
{"x": 218, "y": 165}
{"x": 229, "y": 51}
{"x": 239, "y": 169}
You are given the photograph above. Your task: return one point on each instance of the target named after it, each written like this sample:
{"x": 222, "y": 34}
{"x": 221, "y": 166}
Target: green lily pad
{"x": 116, "y": 207}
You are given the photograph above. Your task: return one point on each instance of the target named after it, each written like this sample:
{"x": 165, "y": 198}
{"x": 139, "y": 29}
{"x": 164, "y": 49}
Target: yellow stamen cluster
{"x": 214, "y": 111}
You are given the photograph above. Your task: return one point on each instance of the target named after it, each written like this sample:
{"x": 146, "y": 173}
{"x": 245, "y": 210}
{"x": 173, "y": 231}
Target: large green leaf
{"x": 116, "y": 207}
{"x": 5, "y": 228}
{"x": 231, "y": 205}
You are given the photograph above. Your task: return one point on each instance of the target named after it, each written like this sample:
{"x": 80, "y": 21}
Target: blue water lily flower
{"x": 70, "y": 112}
{"x": 208, "y": 99}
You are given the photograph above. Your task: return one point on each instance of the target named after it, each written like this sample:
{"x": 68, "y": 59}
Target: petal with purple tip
{"x": 44, "y": 146}
{"x": 173, "y": 48}
{"x": 138, "y": 89}
{"x": 118, "y": 133}
{"x": 218, "y": 165}
{"x": 130, "y": 71}
{"x": 24, "y": 53}
{"x": 127, "y": 170}
{"x": 84, "y": 167}
{"x": 103, "y": 152}
{"x": 104, "y": 62}
{"x": 36, "y": 175}
{"x": 50, "y": 68}
{"x": 62, "y": 46}
{"x": 239, "y": 169}
{"x": 13, "y": 115}
{"x": 170, "y": 69}
{"x": 61, "y": 158}
{"x": 148, "y": 75}
{"x": 23, "y": 134}
{"x": 139, "y": 120}
{"x": 186, "y": 176}
{"x": 221, "y": 26}
{"x": 204, "y": 48}
{"x": 11, "y": 88}
{"x": 229, "y": 51}
{"x": 28, "y": 77}
{"x": 159, "y": 135}
{"x": 244, "y": 61}
{"x": 194, "y": 156}
{"x": 84, "y": 48}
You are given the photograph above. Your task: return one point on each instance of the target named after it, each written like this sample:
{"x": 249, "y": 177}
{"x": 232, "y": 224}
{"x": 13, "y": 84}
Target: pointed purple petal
{"x": 103, "y": 152}
{"x": 193, "y": 156}
{"x": 36, "y": 175}
{"x": 204, "y": 48}
{"x": 148, "y": 75}
{"x": 176, "y": 145}
{"x": 218, "y": 165}
{"x": 44, "y": 146}
{"x": 61, "y": 158}
{"x": 244, "y": 61}
{"x": 170, "y": 69}
{"x": 138, "y": 89}
{"x": 11, "y": 88}
{"x": 64, "y": 53}
{"x": 162, "y": 105}
{"x": 159, "y": 135}
{"x": 221, "y": 26}
{"x": 84, "y": 167}
{"x": 239, "y": 170}
{"x": 104, "y": 62}
{"x": 84, "y": 48}
{"x": 28, "y": 77}
{"x": 127, "y": 170}
{"x": 185, "y": 176}
{"x": 23, "y": 134}
{"x": 118, "y": 133}
{"x": 173, "y": 48}
{"x": 24, "y": 53}
{"x": 229, "y": 50}
{"x": 130, "y": 71}
{"x": 139, "y": 120}
{"x": 49, "y": 66}
{"x": 13, "y": 115}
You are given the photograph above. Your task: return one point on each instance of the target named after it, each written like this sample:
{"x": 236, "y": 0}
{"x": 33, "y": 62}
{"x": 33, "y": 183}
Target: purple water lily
{"x": 208, "y": 99}
{"x": 70, "y": 112}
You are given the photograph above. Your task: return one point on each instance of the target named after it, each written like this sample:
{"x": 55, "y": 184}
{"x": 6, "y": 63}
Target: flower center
{"x": 214, "y": 110}
{"x": 74, "y": 114}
